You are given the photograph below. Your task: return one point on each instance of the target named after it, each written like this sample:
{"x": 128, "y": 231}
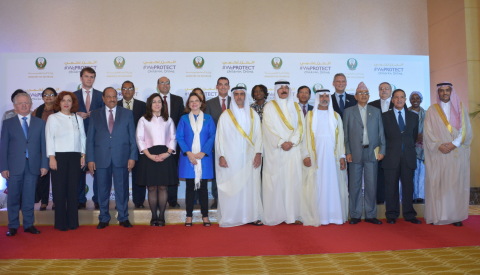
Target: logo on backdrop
{"x": 316, "y": 87}
{"x": 388, "y": 68}
{"x": 277, "y": 63}
{"x": 315, "y": 67}
{"x": 75, "y": 67}
{"x": 160, "y": 66}
{"x": 119, "y": 62}
{"x": 352, "y": 64}
{"x": 239, "y": 66}
{"x": 198, "y": 62}
{"x": 41, "y": 62}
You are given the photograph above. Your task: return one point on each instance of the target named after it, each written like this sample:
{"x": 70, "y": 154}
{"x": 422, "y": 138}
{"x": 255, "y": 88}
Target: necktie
{"x": 128, "y": 104}
{"x": 25, "y": 132}
{"x": 342, "y": 105}
{"x": 88, "y": 101}
{"x": 224, "y": 107}
{"x": 110, "y": 121}
{"x": 165, "y": 103}
{"x": 401, "y": 122}
{"x": 304, "y": 110}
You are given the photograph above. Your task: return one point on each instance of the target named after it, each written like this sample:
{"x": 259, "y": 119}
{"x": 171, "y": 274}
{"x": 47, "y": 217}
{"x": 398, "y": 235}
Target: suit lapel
{"x": 334, "y": 102}
{"x": 356, "y": 114}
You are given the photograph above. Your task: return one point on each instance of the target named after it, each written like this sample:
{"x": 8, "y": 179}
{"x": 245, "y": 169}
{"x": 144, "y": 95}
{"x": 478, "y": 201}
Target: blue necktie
{"x": 401, "y": 122}
{"x": 342, "y": 105}
{"x": 25, "y": 132}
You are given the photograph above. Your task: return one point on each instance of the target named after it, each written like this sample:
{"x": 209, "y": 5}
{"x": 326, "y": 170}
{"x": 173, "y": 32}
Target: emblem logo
{"x": 41, "y": 62}
{"x": 276, "y": 63}
{"x": 119, "y": 62}
{"x": 198, "y": 62}
{"x": 317, "y": 86}
{"x": 352, "y": 64}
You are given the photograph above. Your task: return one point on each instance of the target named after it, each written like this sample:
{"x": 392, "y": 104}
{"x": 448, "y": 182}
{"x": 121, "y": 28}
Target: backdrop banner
{"x": 33, "y": 72}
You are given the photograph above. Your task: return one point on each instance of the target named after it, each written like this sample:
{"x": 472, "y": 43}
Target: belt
{"x": 365, "y": 146}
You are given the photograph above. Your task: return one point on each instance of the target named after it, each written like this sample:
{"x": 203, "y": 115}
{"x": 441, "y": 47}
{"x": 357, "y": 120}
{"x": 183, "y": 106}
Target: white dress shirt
{"x": 64, "y": 133}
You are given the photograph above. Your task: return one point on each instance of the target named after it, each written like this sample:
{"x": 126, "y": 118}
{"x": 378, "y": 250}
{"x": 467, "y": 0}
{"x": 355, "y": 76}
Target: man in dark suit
{"x": 384, "y": 104}
{"x": 175, "y": 111}
{"x": 23, "y": 158}
{"x": 215, "y": 107}
{"x": 112, "y": 151}
{"x": 340, "y": 99}
{"x": 89, "y": 99}
{"x": 139, "y": 108}
{"x": 400, "y": 162}
{"x": 303, "y": 95}
{"x": 363, "y": 129}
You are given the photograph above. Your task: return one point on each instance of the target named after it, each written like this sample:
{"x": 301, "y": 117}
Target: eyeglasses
{"x": 49, "y": 95}
{"x": 363, "y": 93}
{"x": 127, "y": 89}
{"x": 164, "y": 83}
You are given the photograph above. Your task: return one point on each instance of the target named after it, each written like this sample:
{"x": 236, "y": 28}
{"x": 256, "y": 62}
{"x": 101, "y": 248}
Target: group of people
{"x": 269, "y": 162}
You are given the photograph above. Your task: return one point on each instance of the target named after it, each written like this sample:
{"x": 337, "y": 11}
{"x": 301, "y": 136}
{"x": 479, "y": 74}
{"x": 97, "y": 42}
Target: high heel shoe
{"x": 189, "y": 224}
{"x": 153, "y": 222}
{"x": 206, "y": 223}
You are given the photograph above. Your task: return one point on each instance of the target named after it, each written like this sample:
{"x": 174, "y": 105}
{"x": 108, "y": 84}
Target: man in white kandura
{"x": 238, "y": 147}
{"x": 325, "y": 194}
{"x": 283, "y": 134}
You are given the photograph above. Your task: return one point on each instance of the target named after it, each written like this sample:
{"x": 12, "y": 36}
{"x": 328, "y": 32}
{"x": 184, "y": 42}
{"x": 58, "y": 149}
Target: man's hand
{"x": 307, "y": 162}
{"x": 349, "y": 157}
{"x": 82, "y": 162}
{"x": 222, "y": 162}
{"x": 343, "y": 164}
{"x": 130, "y": 165}
{"x": 43, "y": 172}
{"x": 420, "y": 138}
{"x": 286, "y": 146}
{"x": 83, "y": 115}
{"x": 92, "y": 167}
{"x": 257, "y": 160}
{"x": 5, "y": 174}
{"x": 380, "y": 157}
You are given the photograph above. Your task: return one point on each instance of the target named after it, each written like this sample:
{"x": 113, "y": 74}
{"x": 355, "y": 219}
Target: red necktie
{"x": 165, "y": 103}
{"x": 87, "y": 103}
{"x": 223, "y": 105}
{"x": 110, "y": 121}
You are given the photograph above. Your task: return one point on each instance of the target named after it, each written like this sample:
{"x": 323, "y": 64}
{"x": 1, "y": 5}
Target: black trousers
{"x": 42, "y": 191}
{"x": 172, "y": 190}
{"x": 190, "y": 196}
{"x": 64, "y": 188}
{"x": 392, "y": 177}
{"x": 138, "y": 191}
{"x": 380, "y": 184}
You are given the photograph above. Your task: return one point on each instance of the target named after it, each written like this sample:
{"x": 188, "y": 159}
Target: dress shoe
{"x": 416, "y": 201}
{"x": 102, "y": 225}
{"x": 31, "y": 230}
{"x": 82, "y": 205}
{"x": 161, "y": 223}
{"x": 214, "y": 205}
{"x": 354, "y": 221}
{"x": 43, "y": 207}
{"x": 139, "y": 206}
{"x": 53, "y": 206}
{"x": 457, "y": 224}
{"x": 126, "y": 224}
{"x": 97, "y": 206}
{"x": 414, "y": 221}
{"x": 11, "y": 232}
{"x": 173, "y": 205}
{"x": 153, "y": 222}
{"x": 391, "y": 221}
{"x": 373, "y": 220}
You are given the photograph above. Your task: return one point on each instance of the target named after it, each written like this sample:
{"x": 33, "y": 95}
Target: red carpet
{"x": 143, "y": 241}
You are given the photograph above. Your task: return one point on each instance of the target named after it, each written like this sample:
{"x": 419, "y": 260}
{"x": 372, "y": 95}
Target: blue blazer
{"x": 117, "y": 148}
{"x": 96, "y": 103}
{"x": 13, "y": 146}
{"x": 185, "y": 140}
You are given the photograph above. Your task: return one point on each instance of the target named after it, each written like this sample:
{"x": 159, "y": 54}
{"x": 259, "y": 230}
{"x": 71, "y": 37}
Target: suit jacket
{"x": 185, "y": 141}
{"x": 395, "y": 139}
{"x": 215, "y": 109}
{"x": 176, "y": 108}
{"x": 310, "y": 107}
{"x": 95, "y": 103}
{"x": 139, "y": 109}
{"x": 349, "y": 102}
{"x": 13, "y": 146}
{"x": 118, "y": 147}
{"x": 353, "y": 130}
